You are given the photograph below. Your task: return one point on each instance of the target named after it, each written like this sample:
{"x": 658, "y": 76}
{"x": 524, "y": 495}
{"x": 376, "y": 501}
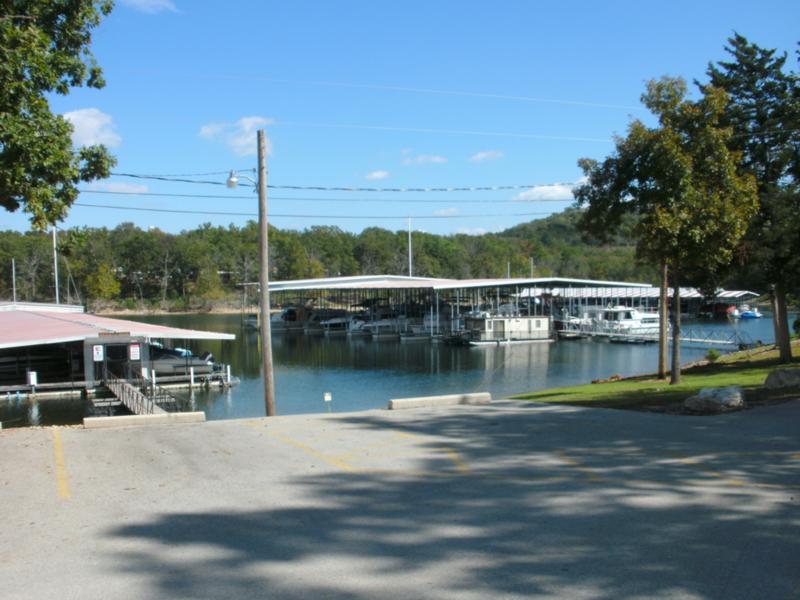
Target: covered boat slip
{"x": 60, "y": 347}
{"x": 472, "y": 311}
{"x": 576, "y": 299}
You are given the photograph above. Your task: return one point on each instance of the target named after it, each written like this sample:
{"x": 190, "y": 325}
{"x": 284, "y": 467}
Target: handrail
{"x": 133, "y": 399}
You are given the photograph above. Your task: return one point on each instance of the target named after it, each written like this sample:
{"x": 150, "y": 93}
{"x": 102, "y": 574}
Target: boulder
{"x": 716, "y": 400}
{"x": 783, "y": 378}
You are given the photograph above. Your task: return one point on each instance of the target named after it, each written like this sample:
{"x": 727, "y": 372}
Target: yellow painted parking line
{"x": 390, "y": 441}
{"x": 331, "y": 460}
{"x": 62, "y": 481}
{"x": 697, "y": 461}
{"x": 578, "y": 466}
{"x": 461, "y": 466}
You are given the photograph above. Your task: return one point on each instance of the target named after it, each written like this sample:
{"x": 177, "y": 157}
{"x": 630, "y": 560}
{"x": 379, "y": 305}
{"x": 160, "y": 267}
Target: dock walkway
{"x": 134, "y": 400}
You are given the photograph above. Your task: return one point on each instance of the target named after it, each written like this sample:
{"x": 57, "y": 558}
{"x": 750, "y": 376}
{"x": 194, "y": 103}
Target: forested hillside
{"x": 136, "y": 268}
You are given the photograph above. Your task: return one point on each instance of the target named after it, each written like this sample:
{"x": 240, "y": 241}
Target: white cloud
{"x": 239, "y": 136}
{"x": 377, "y": 175}
{"x": 446, "y": 212}
{"x": 486, "y": 155}
{"x": 473, "y": 231}
{"x": 151, "y": 6}
{"x": 547, "y": 193}
{"x": 113, "y": 186}
{"x": 424, "y": 159}
{"x": 92, "y": 126}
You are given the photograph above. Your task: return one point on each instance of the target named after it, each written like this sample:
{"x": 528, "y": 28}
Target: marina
{"x": 359, "y": 374}
{"x": 347, "y": 343}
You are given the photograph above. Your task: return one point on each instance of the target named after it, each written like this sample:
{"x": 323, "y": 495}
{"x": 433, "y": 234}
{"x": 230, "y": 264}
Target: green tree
{"x": 44, "y": 49}
{"x": 681, "y": 180}
{"x": 764, "y": 112}
{"x": 102, "y": 283}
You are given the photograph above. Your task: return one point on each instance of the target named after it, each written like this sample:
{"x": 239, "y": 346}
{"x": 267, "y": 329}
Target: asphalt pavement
{"x": 511, "y": 500}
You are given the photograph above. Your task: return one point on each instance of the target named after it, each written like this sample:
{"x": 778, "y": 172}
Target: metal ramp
{"x": 134, "y": 400}
{"x": 697, "y": 336}
{"x": 143, "y": 399}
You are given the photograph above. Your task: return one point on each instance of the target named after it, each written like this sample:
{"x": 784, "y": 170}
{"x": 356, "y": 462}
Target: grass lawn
{"x": 748, "y": 370}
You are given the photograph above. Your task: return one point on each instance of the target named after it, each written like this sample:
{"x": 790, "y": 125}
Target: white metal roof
{"x": 27, "y": 327}
{"x": 399, "y": 282}
{"x": 630, "y": 292}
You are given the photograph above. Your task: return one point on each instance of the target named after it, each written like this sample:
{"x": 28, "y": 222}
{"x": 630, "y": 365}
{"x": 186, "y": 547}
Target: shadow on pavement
{"x": 555, "y": 504}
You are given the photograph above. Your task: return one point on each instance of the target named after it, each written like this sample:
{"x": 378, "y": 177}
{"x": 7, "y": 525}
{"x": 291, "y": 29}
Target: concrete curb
{"x": 434, "y": 401}
{"x": 140, "y": 420}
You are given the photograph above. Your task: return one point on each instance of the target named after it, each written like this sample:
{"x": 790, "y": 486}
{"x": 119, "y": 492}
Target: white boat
{"x": 489, "y": 329}
{"x": 626, "y": 324}
{"x": 745, "y": 312}
{"x": 336, "y": 326}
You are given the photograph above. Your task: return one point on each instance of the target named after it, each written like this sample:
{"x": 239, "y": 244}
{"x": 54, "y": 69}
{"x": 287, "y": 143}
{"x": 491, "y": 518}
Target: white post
{"x": 14, "y": 278}
{"x": 228, "y": 372}
{"x": 55, "y": 264}
{"x": 191, "y": 378}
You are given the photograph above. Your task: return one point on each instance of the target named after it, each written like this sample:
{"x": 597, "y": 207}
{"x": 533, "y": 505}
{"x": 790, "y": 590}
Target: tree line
{"x": 133, "y": 267}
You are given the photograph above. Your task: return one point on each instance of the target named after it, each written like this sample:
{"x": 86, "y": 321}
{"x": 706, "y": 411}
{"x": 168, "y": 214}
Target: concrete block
{"x": 143, "y": 420}
{"x": 435, "y": 401}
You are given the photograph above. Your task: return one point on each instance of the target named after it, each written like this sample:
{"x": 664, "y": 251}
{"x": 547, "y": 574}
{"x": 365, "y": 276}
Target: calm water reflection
{"x": 361, "y": 374}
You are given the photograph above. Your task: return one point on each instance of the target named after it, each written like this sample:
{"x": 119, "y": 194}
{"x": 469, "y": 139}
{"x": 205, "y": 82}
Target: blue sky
{"x": 379, "y": 94}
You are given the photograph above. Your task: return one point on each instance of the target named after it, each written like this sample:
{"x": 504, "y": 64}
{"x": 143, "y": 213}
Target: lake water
{"x": 361, "y": 374}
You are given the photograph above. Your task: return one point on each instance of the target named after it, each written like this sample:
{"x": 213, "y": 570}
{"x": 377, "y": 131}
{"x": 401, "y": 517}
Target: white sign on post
{"x": 135, "y": 352}
{"x": 97, "y": 352}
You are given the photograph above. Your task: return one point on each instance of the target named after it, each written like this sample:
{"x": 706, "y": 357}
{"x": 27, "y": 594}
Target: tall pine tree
{"x": 764, "y": 112}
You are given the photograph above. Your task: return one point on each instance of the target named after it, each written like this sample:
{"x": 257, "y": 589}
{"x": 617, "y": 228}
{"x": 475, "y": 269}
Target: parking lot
{"x": 513, "y": 500}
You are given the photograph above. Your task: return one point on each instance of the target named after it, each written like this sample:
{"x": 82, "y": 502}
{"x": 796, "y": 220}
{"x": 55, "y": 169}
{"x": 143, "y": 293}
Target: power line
{"x": 507, "y": 134}
{"x": 397, "y": 88}
{"x": 306, "y": 216}
{"x": 312, "y": 199}
{"x": 404, "y": 89}
{"x": 320, "y": 188}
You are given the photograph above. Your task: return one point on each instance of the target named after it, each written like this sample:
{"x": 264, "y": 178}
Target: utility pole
{"x": 263, "y": 278}
{"x": 55, "y": 264}
{"x": 531, "y": 267}
{"x": 410, "y": 256}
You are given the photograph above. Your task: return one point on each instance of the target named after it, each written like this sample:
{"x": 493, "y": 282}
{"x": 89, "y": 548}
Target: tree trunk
{"x": 165, "y": 279}
{"x": 675, "y": 375}
{"x": 663, "y": 313}
{"x": 780, "y": 323}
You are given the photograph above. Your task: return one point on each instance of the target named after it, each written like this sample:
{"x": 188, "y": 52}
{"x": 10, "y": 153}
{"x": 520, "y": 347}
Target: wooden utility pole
{"x": 263, "y": 277}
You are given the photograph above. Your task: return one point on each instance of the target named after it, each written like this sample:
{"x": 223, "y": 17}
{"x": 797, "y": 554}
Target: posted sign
{"x": 135, "y": 352}
{"x": 97, "y": 352}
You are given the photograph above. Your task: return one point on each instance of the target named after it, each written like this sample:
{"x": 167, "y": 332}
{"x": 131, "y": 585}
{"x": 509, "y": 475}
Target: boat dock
{"x": 59, "y": 350}
{"x": 694, "y": 335}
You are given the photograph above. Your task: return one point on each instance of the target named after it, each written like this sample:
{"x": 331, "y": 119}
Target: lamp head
{"x": 233, "y": 180}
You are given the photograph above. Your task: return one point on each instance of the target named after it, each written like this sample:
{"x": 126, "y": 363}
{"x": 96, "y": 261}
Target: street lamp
{"x": 263, "y": 275}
